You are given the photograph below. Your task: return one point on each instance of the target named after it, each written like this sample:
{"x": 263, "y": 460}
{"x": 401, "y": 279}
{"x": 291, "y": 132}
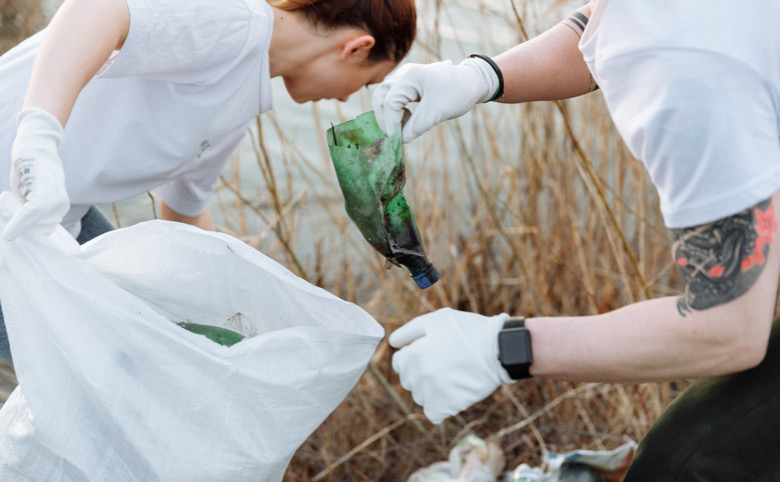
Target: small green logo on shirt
{"x": 203, "y": 146}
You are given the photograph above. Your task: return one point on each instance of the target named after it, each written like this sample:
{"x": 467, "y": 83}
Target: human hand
{"x": 444, "y": 91}
{"x": 448, "y": 359}
{"x": 37, "y": 175}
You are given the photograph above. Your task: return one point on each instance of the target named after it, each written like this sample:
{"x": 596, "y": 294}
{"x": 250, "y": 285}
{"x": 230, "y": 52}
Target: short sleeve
{"x": 189, "y": 193}
{"x": 704, "y": 125}
{"x": 187, "y": 41}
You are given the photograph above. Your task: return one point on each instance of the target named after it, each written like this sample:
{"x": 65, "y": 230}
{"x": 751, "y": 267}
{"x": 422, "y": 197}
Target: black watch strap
{"x": 515, "y": 322}
{"x": 518, "y": 344}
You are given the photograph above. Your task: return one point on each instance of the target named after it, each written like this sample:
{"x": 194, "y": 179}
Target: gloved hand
{"x": 444, "y": 91}
{"x": 37, "y": 175}
{"x": 450, "y": 360}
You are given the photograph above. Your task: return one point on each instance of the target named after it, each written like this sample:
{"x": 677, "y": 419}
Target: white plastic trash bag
{"x": 111, "y": 390}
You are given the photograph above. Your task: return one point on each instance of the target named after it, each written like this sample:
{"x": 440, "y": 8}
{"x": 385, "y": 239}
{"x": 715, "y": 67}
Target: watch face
{"x": 514, "y": 346}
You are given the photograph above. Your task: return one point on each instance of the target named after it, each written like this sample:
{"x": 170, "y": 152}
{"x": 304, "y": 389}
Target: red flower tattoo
{"x": 765, "y": 226}
{"x": 758, "y": 258}
{"x": 746, "y": 264}
{"x": 765, "y": 223}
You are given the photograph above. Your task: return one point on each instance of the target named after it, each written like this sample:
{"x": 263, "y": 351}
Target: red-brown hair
{"x": 392, "y": 23}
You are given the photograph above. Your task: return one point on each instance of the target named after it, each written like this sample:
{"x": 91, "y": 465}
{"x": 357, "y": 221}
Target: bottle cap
{"x": 427, "y": 277}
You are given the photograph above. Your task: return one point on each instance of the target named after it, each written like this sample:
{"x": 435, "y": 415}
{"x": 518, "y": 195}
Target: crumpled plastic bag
{"x": 578, "y": 466}
{"x": 110, "y": 389}
{"x": 471, "y": 460}
{"x": 476, "y": 460}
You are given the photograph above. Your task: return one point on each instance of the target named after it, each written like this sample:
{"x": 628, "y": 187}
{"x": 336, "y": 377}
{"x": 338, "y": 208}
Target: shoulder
{"x": 192, "y": 41}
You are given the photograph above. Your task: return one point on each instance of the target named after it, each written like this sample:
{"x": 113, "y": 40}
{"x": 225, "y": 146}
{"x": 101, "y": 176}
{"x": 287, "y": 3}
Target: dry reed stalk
{"x": 116, "y": 215}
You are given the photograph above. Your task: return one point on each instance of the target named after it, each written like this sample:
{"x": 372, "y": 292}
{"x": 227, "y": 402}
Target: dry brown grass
{"x": 18, "y": 20}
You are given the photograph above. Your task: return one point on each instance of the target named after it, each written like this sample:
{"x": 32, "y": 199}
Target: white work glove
{"x": 444, "y": 91}
{"x": 450, "y": 360}
{"x": 37, "y": 176}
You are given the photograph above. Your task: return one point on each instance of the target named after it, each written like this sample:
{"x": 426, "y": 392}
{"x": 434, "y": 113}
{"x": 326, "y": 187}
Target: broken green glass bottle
{"x": 219, "y": 335}
{"x": 370, "y": 170}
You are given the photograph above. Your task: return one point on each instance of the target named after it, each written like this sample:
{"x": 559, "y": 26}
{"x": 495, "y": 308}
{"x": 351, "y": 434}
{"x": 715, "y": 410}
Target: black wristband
{"x": 500, "y": 92}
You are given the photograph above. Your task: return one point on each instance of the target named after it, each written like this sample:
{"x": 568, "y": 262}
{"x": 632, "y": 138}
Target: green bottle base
{"x": 214, "y": 333}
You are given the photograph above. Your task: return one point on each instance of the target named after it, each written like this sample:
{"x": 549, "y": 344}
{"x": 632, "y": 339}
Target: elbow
{"x": 746, "y": 348}
{"x": 741, "y": 359}
{"x": 750, "y": 355}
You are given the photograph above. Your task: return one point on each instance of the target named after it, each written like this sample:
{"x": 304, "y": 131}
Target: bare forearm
{"x": 203, "y": 220}
{"x": 547, "y": 67}
{"x": 647, "y": 341}
{"x": 78, "y": 41}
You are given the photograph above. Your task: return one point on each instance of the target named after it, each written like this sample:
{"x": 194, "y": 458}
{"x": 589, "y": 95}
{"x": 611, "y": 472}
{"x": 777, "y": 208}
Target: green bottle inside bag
{"x": 214, "y": 333}
{"x": 370, "y": 170}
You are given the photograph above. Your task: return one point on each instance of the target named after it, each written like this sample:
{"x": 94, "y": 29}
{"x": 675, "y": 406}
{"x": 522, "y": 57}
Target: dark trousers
{"x": 93, "y": 224}
{"x": 719, "y": 429}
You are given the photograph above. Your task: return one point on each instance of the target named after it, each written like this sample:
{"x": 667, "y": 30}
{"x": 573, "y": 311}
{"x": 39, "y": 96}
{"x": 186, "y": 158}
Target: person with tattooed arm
{"x": 695, "y": 93}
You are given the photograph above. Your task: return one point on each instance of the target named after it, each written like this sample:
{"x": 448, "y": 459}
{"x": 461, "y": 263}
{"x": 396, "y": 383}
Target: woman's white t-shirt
{"x": 165, "y": 112}
{"x": 694, "y": 89}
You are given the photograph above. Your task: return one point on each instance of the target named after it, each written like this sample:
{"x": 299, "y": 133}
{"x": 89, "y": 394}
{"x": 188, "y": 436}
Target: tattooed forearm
{"x": 720, "y": 261}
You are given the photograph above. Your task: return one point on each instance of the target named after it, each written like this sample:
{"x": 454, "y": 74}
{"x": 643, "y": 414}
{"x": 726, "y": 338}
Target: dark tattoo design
{"x": 577, "y": 23}
{"x": 721, "y": 261}
{"x": 577, "y": 20}
{"x": 572, "y": 29}
{"x": 582, "y": 18}
{"x": 595, "y": 85}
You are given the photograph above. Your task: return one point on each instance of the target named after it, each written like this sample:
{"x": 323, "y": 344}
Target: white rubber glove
{"x": 444, "y": 91}
{"x": 450, "y": 360}
{"x": 37, "y": 176}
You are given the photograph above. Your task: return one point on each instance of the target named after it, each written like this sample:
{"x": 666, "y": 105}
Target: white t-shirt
{"x": 694, "y": 89}
{"x": 165, "y": 112}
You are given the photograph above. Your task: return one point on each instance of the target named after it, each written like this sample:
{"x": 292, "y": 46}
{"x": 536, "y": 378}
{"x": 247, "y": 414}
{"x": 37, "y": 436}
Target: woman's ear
{"x": 357, "y": 47}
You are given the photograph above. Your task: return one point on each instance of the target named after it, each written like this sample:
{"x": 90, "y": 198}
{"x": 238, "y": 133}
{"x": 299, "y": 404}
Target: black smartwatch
{"x": 514, "y": 348}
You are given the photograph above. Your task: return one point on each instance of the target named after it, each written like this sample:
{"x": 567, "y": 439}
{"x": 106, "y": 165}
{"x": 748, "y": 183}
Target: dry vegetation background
{"x": 21, "y": 18}
{"x": 535, "y": 209}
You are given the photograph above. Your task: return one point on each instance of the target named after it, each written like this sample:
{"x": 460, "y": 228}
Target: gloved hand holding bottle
{"x": 448, "y": 359}
{"x": 444, "y": 91}
{"x": 37, "y": 175}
